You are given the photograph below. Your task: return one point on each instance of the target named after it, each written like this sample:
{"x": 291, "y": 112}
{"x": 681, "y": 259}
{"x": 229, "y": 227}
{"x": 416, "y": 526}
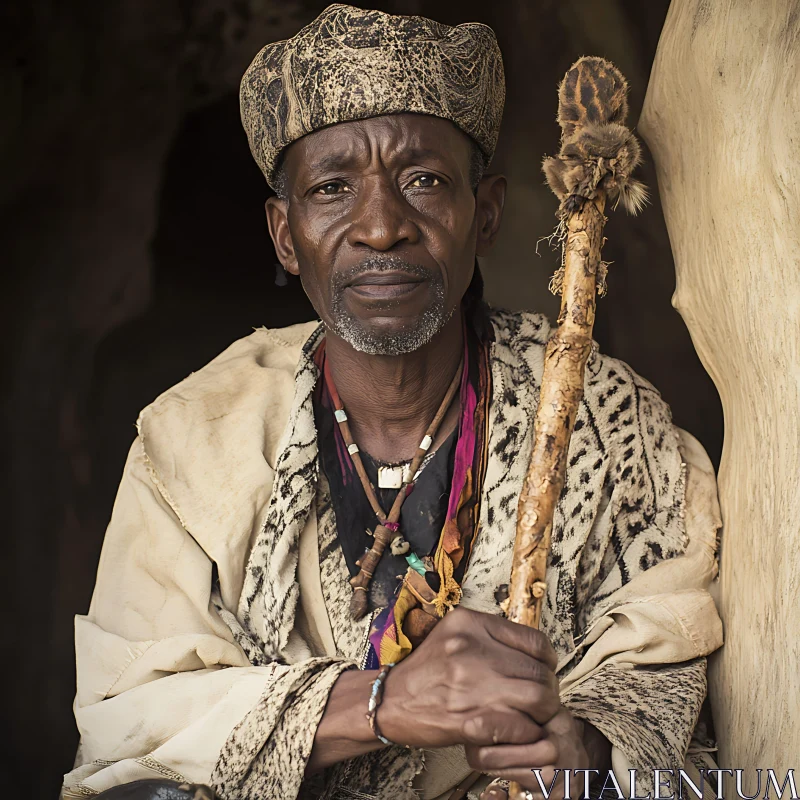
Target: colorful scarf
{"x": 388, "y": 642}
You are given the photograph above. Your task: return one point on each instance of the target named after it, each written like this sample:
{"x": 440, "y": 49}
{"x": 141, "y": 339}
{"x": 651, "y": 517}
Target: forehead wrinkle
{"x": 402, "y": 142}
{"x": 333, "y": 155}
{"x": 376, "y": 143}
{"x": 370, "y": 145}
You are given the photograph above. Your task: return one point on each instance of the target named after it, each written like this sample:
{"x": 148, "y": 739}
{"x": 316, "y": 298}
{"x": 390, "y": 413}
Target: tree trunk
{"x": 722, "y": 119}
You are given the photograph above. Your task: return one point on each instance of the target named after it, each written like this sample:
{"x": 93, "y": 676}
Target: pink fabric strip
{"x": 465, "y": 447}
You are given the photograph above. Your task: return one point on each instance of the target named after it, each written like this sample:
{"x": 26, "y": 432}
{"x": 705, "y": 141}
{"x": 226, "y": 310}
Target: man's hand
{"x": 567, "y": 744}
{"x": 476, "y": 680}
{"x": 561, "y": 747}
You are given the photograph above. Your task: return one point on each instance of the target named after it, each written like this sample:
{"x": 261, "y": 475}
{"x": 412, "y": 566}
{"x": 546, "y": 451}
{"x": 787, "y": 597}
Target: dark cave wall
{"x": 135, "y": 250}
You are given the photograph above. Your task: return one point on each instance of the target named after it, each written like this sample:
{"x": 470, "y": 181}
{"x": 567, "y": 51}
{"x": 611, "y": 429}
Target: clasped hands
{"x": 489, "y": 684}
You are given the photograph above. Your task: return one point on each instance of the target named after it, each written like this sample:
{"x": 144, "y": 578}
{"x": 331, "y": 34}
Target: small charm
{"x": 400, "y": 546}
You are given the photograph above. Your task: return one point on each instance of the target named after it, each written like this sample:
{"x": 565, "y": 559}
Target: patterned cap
{"x": 351, "y": 63}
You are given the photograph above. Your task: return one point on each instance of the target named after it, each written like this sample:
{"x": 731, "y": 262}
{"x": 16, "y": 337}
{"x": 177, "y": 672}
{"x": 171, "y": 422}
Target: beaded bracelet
{"x": 375, "y": 700}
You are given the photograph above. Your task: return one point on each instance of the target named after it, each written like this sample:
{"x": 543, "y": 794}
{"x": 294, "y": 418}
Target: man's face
{"x": 380, "y": 223}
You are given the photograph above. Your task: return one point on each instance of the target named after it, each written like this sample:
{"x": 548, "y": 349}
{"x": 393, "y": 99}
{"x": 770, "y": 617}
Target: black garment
{"x": 421, "y": 519}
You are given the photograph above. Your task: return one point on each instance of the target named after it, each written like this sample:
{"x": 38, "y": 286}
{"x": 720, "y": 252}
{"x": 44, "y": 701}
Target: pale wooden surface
{"x": 722, "y": 118}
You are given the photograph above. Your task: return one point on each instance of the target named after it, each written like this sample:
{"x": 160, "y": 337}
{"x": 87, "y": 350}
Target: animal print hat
{"x": 351, "y": 63}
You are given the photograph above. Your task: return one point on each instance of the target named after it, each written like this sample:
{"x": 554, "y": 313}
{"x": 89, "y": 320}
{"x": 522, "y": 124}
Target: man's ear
{"x": 489, "y": 201}
{"x": 278, "y": 223}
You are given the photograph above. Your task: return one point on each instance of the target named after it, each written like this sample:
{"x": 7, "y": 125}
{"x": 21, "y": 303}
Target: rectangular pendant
{"x": 391, "y": 477}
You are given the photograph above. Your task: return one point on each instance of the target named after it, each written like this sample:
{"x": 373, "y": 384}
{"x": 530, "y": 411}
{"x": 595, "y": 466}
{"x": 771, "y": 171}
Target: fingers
{"x": 494, "y": 680}
{"x": 515, "y": 664}
{"x": 526, "y": 707}
{"x": 563, "y": 724}
{"x": 539, "y": 702}
{"x": 510, "y": 727}
{"x": 532, "y": 765}
{"x": 495, "y": 759}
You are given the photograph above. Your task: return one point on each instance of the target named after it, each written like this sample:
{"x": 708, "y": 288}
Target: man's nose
{"x": 382, "y": 219}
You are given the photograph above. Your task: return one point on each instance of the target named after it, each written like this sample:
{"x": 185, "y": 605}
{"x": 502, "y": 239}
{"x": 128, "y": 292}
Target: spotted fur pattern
{"x": 649, "y": 713}
{"x": 270, "y": 593}
{"x": 621, "y": 508}
{"x": 621, "y": 512}
{"x": 267, "y": 752}
{"x": 385, "y": 772}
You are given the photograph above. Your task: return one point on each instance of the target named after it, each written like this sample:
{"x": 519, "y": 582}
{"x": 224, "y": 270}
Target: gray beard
{"x": 374, "y": 343}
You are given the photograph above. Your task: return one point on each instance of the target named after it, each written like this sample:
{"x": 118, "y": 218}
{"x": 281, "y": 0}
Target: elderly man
{"x": 299, "y": 588}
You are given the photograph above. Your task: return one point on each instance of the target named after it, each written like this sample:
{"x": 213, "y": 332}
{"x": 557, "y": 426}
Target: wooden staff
{"x": 598, "y": 154}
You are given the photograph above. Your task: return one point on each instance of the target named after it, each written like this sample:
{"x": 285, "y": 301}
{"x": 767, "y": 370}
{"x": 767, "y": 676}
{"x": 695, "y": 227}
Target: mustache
{"x": 381, "y": 262}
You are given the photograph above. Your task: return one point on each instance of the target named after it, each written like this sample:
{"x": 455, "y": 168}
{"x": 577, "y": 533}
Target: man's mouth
{"x": 385, "y": 284}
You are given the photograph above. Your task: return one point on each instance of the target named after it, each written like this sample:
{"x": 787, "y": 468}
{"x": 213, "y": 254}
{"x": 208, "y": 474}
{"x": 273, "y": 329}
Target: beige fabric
{"x": 621, "y": 766}
{"x": 162, "y": 682}
{"x": 164, "y": 666}
{"x": 168, "y": 705}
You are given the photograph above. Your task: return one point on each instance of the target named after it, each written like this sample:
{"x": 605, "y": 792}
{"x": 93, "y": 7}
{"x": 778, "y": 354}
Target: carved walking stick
{"x": 598, "y": 154}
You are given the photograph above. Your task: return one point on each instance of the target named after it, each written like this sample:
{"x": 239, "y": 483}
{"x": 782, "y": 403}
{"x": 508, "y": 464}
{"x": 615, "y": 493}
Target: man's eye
{"x": 424, "y": 182}
{"x": 332, "y": 187}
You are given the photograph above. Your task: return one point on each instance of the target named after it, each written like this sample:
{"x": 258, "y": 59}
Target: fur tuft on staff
{"x": 598, "y": 153}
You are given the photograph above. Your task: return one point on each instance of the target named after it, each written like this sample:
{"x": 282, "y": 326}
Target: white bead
{"x": 426, "y": 443}
{"x": 352, "y": 448}
{"x": 340, "y": 415}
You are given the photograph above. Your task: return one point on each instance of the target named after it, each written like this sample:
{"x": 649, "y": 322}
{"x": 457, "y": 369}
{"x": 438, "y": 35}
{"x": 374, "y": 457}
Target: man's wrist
{"x": 390, "y": 718}
{"x": 344, "y": 731}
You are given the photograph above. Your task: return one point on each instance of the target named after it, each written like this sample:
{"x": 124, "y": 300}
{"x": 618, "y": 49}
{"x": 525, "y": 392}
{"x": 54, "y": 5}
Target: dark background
{"x": 134, "y": 249}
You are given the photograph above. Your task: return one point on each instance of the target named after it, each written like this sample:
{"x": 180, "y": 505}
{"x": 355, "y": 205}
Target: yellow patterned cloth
{"x": 350, "y": 64}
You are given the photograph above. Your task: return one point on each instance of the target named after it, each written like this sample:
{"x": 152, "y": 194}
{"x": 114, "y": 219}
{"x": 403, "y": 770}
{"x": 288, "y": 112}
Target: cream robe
{"x": 193, "y": 665}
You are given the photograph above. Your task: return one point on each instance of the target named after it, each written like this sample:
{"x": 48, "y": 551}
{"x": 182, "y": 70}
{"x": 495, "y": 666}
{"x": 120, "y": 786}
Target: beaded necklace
{"x": 387, "y": 531}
